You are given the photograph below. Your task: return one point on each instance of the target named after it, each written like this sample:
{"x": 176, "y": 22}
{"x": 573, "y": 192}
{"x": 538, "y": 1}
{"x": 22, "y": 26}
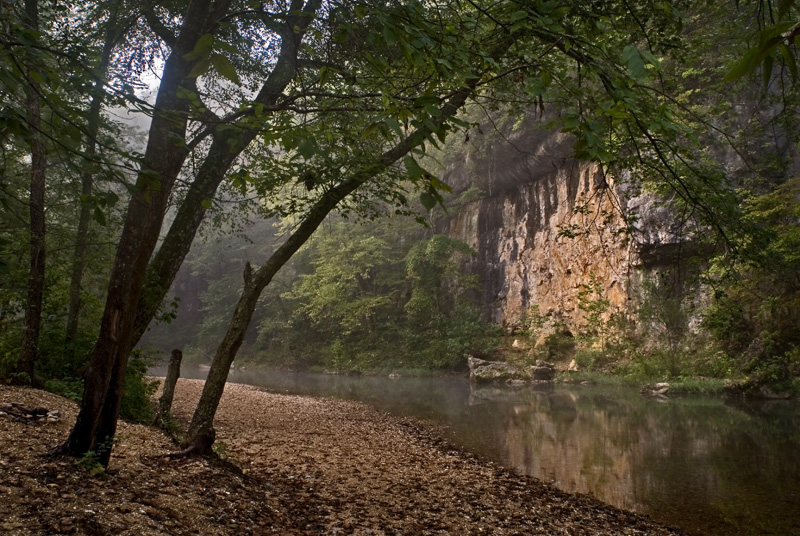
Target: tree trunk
{"x": 226, "y": 147}
{"x": 87, "y": 180}
{"x": 97, "y": 419}
{"x": 33, "y": 309}
{"x": 120, "y": 329}
{"x": 201, "y": 428}
{"x": 168, "y": 391}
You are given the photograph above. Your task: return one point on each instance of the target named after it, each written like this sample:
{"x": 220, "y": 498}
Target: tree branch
{"x": 158, "y": 27}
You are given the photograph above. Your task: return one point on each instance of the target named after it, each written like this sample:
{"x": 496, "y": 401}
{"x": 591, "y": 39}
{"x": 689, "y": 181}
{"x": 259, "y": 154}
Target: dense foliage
{"x": 383, "y": 297}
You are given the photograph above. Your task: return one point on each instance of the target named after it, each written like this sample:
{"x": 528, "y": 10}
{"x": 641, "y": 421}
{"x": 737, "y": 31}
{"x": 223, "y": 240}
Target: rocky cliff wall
{"x": 543, "y": 224}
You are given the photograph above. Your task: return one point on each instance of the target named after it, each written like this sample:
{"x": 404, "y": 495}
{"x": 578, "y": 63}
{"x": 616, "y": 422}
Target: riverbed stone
{"x": 482, "y": 371}
{"x": 543, "y": 374}
{"x": 656, "y": 390}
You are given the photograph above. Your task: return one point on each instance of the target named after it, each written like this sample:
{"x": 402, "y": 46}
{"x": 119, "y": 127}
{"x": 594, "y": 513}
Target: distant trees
{"x": 382, "y": 297}
{"x": 36, "y": 199}
{"x": 44, "y": 71}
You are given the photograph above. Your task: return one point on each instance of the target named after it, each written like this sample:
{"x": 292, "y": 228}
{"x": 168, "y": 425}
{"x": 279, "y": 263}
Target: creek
{"x": 702, "y": 464}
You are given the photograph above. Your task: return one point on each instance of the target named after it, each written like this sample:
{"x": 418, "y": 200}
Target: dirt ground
{"x": 289, "y": 465}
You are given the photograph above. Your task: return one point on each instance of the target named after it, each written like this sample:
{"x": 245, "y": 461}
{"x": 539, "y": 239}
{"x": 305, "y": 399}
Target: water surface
{"x": 700, "y": 464}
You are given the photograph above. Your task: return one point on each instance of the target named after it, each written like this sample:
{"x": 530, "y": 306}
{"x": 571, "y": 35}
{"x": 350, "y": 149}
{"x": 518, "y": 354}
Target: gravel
{"x": 285, "y": 465}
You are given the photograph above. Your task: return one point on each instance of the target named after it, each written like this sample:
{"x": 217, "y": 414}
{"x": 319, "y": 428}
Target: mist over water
{"x": 696, "y": 462}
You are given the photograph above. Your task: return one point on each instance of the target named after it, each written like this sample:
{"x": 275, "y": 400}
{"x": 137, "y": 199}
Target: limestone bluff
{"x": 529, "y": 194}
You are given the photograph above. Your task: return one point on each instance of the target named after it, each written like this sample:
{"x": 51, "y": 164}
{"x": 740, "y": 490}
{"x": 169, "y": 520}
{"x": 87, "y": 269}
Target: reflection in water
{"x": 695, "y": 463}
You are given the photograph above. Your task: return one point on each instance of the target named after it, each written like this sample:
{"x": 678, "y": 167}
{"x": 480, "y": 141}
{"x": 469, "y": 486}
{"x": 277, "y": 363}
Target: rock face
{"x": 544, "y": 224}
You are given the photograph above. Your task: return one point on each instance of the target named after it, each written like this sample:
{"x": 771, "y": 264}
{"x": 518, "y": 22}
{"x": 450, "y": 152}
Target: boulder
{"x": 482, "y": 371}
{"x": 519, "y": 345}
{"x": 573, "y": 366}
{"x": 543, "y": 371}
{"x": 656, "y": 390}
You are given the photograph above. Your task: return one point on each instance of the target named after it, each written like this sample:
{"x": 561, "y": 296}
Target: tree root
{"x": 200, "y": 446}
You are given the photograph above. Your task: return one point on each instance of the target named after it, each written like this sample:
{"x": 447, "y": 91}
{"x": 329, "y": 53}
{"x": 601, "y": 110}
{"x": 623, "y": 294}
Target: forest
{"x": 263, "y": 183}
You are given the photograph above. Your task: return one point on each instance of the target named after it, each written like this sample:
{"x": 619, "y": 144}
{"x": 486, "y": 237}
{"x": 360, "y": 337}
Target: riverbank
{"x": 292, "y": 465}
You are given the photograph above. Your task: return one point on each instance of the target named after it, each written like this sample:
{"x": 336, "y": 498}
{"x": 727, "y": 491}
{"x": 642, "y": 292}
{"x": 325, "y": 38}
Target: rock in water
{"x": 543, "y": 371}
{"x": 482, "y": 371}
{"x": 656, "y": 390}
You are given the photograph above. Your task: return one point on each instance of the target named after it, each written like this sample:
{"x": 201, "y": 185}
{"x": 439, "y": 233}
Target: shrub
{"x": 136, "y": 404}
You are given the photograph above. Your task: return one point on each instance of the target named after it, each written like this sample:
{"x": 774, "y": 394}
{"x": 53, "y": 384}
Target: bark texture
{"x": 130, "y": 306}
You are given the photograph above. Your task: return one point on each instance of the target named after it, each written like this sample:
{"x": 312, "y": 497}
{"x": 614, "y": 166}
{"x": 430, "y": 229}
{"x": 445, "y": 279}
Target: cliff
{"x": 543, "y": 224}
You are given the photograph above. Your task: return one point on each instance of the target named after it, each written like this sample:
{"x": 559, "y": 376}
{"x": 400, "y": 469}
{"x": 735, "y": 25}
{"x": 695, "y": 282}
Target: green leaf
{"x": 570, "y": 122}
{"x": 427, "y": 200}
{"x": 649, "y": 58}
{"x": 560, "y": 13}
{"x": 369, "y": 131}
{"x": 111, "y": 199}
{"x": 324, "y": 75}
{"x": 432, "y": 110}
{"x": 766, "y": 72}
{"x": 634, "y": 61}
{"x": 307, "y": 148}
{"x": 389, "y": 36}
{"x": 789, "y": 59}
{"x": 415, "y": 171}
{"x": 200, "y": 68}
{"x": 519, "y": 15}
{"x": 460, "y": 122}
{"x": 202, "y": 49}
{"x": 206, "y": 204}
{"x": 227, "y": 47}
{"x": 439, "y": 185}
{"x": 225, "y": 68}
{"x": 741, "y": 67}
{"x": 99, "y": 216}
{"x": 424, "y": 100}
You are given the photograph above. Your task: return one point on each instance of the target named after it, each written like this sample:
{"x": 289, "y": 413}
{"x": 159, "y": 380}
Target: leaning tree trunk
{"x": 200, "y": 437}
{"x": 87, "y": 180}
{"x": 97, "y": 419}
{"x": 33, "y": 308}
{"x": 226, "y": 147}
{"x": 105, "y": 377}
